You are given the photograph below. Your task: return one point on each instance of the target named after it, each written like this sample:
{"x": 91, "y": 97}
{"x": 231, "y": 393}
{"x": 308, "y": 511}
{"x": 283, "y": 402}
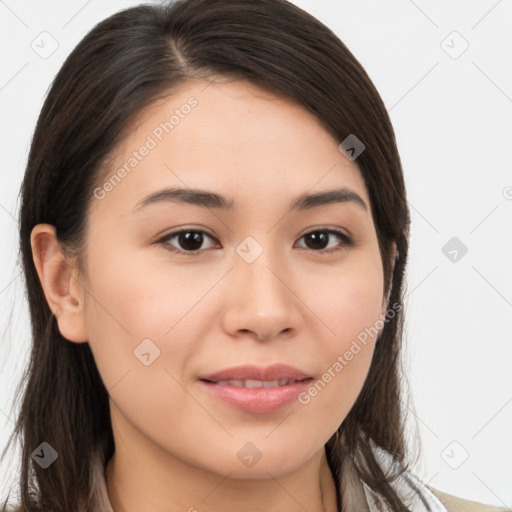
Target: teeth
{"x": 253, "y": 384}
{"x": 249, "y": 383}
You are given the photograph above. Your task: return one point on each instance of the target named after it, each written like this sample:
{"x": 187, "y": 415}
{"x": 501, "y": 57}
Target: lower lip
{"x": 257, "y": 400}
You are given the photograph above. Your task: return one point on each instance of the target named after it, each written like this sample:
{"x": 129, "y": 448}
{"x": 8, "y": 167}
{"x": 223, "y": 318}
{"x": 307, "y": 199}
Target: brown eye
{"x": 318, "y": 240}
{"x": 188, "y": 240}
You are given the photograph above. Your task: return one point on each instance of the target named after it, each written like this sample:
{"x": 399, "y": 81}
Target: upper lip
{"x": 269, "y": 373}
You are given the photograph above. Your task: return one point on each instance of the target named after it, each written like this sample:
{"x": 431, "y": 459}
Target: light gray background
{"x": 452, "y": 113}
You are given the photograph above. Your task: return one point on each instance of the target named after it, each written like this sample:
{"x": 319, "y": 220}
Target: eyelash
{"x": 347, "y": 242}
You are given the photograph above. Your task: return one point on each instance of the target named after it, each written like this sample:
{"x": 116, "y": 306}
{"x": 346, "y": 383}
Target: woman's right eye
{"x": 189, "y": 239}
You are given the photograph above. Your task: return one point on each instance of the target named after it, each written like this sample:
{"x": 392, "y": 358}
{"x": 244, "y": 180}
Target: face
{"x": 257, "y": 283}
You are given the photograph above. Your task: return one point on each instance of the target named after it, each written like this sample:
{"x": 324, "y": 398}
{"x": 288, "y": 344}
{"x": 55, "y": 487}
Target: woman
{"x": 214, "y": 232}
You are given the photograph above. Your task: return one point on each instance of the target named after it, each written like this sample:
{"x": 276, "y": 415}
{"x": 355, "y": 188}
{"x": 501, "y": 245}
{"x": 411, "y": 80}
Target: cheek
{"x": 143, "y": 330}
{"x": 346, "y": 299}
{"x": 349, "y": 305}
{"x": 136, "y": 309}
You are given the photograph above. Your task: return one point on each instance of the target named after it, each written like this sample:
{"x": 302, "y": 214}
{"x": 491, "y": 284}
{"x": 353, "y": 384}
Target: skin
{"x": 176, "y": 446}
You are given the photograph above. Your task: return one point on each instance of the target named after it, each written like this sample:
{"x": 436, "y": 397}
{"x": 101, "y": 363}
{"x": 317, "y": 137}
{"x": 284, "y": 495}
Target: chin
{"x": 249, "y": 463}
{"x": 260, "y": 471}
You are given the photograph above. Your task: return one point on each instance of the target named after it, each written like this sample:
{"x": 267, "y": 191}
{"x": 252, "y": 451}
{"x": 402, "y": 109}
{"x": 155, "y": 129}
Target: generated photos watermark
{"x": 151, "y": 142}
{"x": 343, "y": 360}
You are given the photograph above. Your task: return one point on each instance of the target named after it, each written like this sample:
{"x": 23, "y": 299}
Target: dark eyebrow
{"x": 189, "y": 196}
{"x": 207, "y": 199}
{"x": 339, "y": 195}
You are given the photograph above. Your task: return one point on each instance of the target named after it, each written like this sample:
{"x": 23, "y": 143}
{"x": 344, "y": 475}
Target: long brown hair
{"x": 121, "y": 66}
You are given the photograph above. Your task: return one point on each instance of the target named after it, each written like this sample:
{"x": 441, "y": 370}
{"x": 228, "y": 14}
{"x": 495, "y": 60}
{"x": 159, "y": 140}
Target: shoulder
{"x": 456, "y": 504}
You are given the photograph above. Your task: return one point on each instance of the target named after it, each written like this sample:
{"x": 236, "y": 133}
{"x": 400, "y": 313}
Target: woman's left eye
{"x": 320, "y": 236}
{"x": 191, "y": 240}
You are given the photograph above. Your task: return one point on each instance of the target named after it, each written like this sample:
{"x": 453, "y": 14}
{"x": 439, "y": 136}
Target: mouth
{"x": 256, "y": 384}
{"x": 253, "y": 389}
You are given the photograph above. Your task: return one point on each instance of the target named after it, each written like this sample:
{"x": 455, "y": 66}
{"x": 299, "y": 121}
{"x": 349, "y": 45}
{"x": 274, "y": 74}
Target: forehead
{"x": 232, "y": 136}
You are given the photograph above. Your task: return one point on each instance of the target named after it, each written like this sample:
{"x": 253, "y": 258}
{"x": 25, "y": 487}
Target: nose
{"x": 261, "y": 300}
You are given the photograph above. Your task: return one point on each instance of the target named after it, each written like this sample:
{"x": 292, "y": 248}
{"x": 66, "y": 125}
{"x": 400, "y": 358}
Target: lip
{"x": 262, "y": 400}
{"x": 273, "y": 372}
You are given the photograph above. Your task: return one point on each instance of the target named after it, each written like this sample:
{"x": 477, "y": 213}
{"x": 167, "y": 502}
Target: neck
{"x": 137, "y": 483}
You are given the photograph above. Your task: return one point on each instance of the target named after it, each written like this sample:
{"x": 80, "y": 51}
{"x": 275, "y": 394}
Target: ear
{"x": 394, "y": 257}
{"x": 58, "y": 278}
